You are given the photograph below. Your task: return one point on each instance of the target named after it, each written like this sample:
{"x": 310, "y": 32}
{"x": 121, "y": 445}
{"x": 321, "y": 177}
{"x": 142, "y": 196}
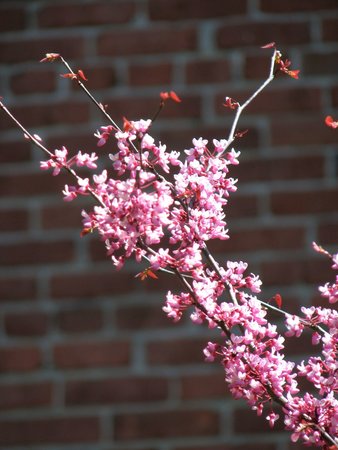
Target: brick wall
{"x": 87, "y": 359}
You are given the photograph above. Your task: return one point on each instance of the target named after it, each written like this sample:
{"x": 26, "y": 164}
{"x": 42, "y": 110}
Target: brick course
{"x": 87, "y": 356}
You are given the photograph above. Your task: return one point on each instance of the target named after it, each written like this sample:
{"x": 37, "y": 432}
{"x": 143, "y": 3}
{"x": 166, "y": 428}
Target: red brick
{"x": 13, "y": 220}
{"x": 76, "y": 355}
{"x": 154, "y": 74}
{"x": 145, "y": 107}
{"x": 257, "y": 66}
{"x": 330, "y": 27}
{"x": 15, "y": 396}
{"x": 30, "y": 184}
{"x": 62, "y": 215}
{"x": 49, "y": 430}
{"x": 320, "y": 64}
{"x": 19, "y": 359}
{"x": 89, "y": 284}
{"x": 166, "y": 424}
{"x": 253, "y": 240}
{"x": 288, "y": 272}
{"x": 247, "y": 421}
{"x": 328, "y": 233}
{"x": 276, "y": 101}
{"x": 25, "y": 49}
{"x": 14, "y": 152}
{"x": 36, "y": 252}
{"x": 204, "y": 386}
{"x": 33, "y": 81}
{"x": 194, "y": 9}
{"x": 139, "y": 317}
{"x": 147, "y": 41}
{"x": 21, "y": 288}
{"x": 12, "y": 18}
{"x": 258, "y": 33}
{"x": 67, "y": 112}
{"x": 301, "y": 130}
{"x": 296, "y": 167}
{"x": 176, "y": 352}
{"x": 241, "y": 206}
{"x": 26, "y": 324}
{"x": 334, "y": 96}
{"x": 247, "y": 446}
{"x": 308, "y": 202}
{"x": 81, "y": 14}
{"x": 207, "y": 71}
{"x": 297, "y": 6}
{"x": 120, "y": 390}
{"x": 80, "y": 320}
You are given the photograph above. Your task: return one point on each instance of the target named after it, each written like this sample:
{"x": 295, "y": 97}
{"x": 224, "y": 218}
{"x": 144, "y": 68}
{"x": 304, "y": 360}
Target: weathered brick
{"x": 66, "y": 112}
{"x": 26, "y": 324}
{"x": 17, "y": 288}
{"x": 30, "y": 184}
{"x": 80, "y": 320}
{"x": 14, "y": 151}
{"x": 25, "y": 49}
{"x": 91, "y": 284}
{"x": 328, "y": 233}
{"x": 116, "y": 390}
{"x": 76, "y": 14}
{"x": 297, "y": 6}
{"x": 194, "y": 9}
{"x": 176, "y": 352}
{"x": 306, "y": 202}
{"x": 246, "y": 421}
{"x": 329, "y": 27}
{"x": 62, "y": 215}
{"x": 13, "y": 220}
{"x": 253, "y": 240}
{"x": 204, "y": 386}
{"x": 207, "y": 71}
{"x": 276, "y": 101}
{"x": 148, "y": 41}
{"x": 27, "y": 82}
{"x": 49, "y": 430}
{"x": 76, "y": 355}
{"x": 12, "y": 18}
{"x": 150, "y": 74}
{"x": 166, "y": 424}
{"x": 145, "y": 107}
{"x": 138, "y": 317}
{"x": 301, "y": 130}
{"x": 32, "y": 395}
{"x": 19, "y": 359}
{"x": 290, "y": 272}
{"x": 258, "y": 34}
{"x": 320, "y": 63}
{"x": 36, "y": 252}
{"x": 273, "y": 169}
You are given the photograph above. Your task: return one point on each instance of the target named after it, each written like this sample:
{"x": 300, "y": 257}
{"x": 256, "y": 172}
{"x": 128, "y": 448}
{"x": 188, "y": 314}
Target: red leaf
{"x": 82, "y": 75}
{"x": 72, "y": 76}
{"x": 230, "y": 103}
{"x": 278, "y": 299}
{"x": 240, "y": 134}
{"x": 174, "y": 97}
{"x": 127, "y": 126}
{"x": 166, "y": 95}
{"x": 330, "y": 122}
{"x": 269, "y": 45}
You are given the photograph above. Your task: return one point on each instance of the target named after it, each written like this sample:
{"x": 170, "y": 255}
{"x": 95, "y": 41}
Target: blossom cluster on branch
{"x": 162, "y": 206}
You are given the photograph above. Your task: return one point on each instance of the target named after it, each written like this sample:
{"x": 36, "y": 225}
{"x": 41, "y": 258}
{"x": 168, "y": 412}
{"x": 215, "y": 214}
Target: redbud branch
{"x": 48, "y": 152}
{"x": 83, "y": 87}
{"x": 241, "y": 108}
